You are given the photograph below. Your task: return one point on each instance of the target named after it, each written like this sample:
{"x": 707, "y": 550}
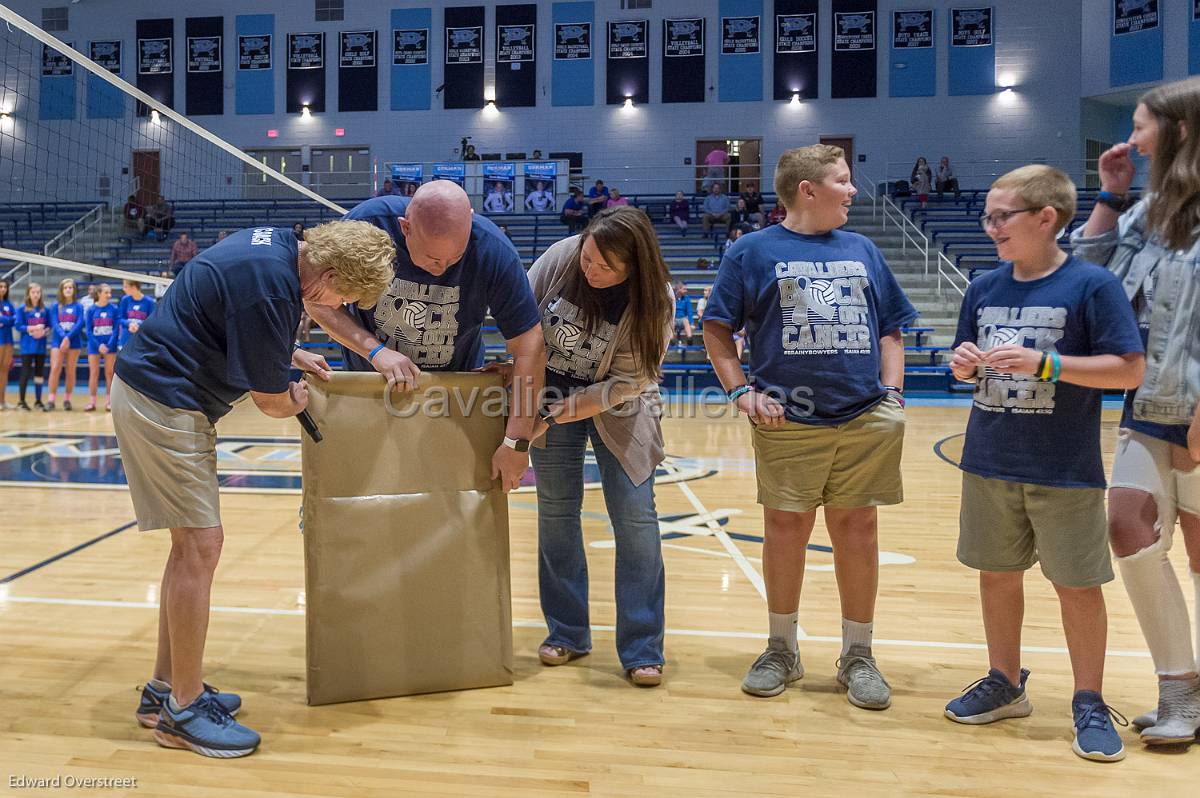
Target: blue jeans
{"x": 562, "y": 565}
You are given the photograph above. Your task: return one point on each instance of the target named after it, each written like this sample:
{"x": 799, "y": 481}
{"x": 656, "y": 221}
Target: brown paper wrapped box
{"x": 405, "y": 540}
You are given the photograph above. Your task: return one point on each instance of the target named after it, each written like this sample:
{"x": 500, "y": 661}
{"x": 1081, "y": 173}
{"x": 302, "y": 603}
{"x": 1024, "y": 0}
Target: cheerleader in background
{"x": 102, "y": 343}
{"x": 132, "y": 311}
{"x": 66, "y": 340}
{"x": 33, "y": 322}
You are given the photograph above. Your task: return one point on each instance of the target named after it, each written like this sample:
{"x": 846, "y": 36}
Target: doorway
{"x": 847, "y": 144}
{"x": 744, "y": 164}
{"x": 257, "y": 184}
{"x": 146, "y": 177}
{"x": 343, "y": 172}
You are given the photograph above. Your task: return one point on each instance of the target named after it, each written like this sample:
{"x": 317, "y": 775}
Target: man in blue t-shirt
{"x": 452, "y": 267}
{"x": 574, "y": 212}
{"x": 1040, "y": 336}
{"x": 823, "y": 313}
{"x": 224, "y": 329}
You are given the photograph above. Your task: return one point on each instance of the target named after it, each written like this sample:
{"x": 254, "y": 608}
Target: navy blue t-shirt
{"x": 437, "y": 321}
{"x": 1024, "y": 430}
{"x": 815, "y": 307}
{"x": 573, "y": 354}
{"x": 226, "y": 326}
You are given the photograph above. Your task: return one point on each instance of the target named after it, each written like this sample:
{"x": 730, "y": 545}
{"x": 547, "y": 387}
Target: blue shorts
{"x": 93, "y": 346}
{"x": 76, "y": 342}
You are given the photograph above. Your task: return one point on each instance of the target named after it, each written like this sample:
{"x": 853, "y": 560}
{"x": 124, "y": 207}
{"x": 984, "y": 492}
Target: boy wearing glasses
{"x": 1040, "y": 336}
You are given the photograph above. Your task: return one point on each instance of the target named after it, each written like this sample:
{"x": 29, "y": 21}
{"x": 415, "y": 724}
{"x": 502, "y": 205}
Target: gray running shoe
{"x": 774, "y": 670}
{"x": 865, "y": 685}
{"x": 1178, "y": 713}
{"x": 1145, "y": 721}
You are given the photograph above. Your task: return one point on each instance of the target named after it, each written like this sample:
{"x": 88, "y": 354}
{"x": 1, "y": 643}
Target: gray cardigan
{"x": 629, "y": 424}
{"x": 1171, "y": 387}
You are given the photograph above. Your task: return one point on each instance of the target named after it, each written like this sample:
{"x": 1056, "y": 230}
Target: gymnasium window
{"x": 331, "y": 10}
{"x": 54, "y": 18}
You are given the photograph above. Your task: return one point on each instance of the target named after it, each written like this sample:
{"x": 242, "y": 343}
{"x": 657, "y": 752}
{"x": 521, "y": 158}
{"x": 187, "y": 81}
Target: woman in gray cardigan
{"x": 1153, "y": 246}
{"x": 606, "y": 313}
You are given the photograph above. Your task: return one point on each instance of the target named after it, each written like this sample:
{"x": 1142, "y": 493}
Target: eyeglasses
{"x": 1000, "y": 218}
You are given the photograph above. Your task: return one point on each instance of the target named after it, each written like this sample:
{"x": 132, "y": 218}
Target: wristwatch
{"x": 550, "y": 420}
{"x": 1118, "y": 202}
{"x": 517, "y": 444}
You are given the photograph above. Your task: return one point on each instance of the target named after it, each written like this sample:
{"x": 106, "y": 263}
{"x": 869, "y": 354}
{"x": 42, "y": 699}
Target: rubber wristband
{"x": 738, "y": 391}
{"x": 1040, "y": 372}
{"x": 1057, "y": 366}
{"x": 375, "y": 352}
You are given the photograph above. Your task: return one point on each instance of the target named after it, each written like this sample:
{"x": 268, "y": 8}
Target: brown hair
{"x": 62, "y": 284}
{"x": 4, "y": 293}
{"x": 809, "y": 163}
{"x": 626, "y": 234}
{"x": 1041, "y": 186}
{"x": 41, "y": 296}
{"x": 1174, "y": 210}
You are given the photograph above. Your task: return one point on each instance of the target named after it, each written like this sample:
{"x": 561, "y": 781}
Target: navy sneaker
{"x": 990, "y": 699}
{"x": 1095, "y": 736}
{"x": 153, "y": 700}
{"x": 205, "y": 728}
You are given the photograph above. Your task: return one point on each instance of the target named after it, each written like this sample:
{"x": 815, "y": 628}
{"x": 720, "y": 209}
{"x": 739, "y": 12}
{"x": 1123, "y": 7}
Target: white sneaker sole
{"x": 172, "y": 741}
{"x": 1021, "y": 708}
{"x": 1097, "y": 756}
{"x": 772, "y": 693}
{"x": 1151, "y": 737}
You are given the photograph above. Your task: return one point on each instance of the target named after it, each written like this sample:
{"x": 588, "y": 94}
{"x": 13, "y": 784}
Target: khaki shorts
{"x": 170, "y": 460}
{"x": 1144, "y": 463}
{"x": 1009, "y": 526}
{"x": 857, "y": 464}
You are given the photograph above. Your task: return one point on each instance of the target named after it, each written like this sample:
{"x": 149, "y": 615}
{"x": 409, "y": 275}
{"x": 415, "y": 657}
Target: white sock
{"x": 783, "y": 627}
{"x": 160, "y": 685}
{"x": 174, "y": 704}
{"x": 855, "y": 634}
{"x": 1196, "y": 618}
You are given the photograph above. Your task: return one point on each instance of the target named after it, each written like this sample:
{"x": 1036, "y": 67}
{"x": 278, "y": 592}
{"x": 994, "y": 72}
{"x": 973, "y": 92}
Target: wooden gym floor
{"x": 78, "y": 637}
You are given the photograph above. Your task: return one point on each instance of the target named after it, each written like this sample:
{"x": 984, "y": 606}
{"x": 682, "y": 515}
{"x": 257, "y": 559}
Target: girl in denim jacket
{"x": 1152, "y": 247}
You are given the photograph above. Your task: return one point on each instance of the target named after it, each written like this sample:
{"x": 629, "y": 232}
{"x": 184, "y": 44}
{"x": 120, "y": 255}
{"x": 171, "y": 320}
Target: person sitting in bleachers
{"x": 946, "y": 181}
{"x": 739, "y": 214}
{"x": 777, "y": 214}
{"x": 597, "y": 198}
{"x": 754, "y": 201}
{"x": 683, "y": 314}
{"x": 132, "y": 214}
{"x": 615, "y": 198}
{"x": 297, "y": 230}
{"x": 386, "y": 190}
{"x": 159, "y": 219}
{"x": 680, "y": 212}
{"x": 574, "y": 212}
{"x": 922, "y": 181}
{"x": 182, "y": 251}
{"x": 715, "y": 208}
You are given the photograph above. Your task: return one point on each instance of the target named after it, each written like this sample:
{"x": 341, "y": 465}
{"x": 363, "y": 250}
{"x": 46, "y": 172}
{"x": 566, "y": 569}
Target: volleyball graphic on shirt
{"x": 565, "y": 336}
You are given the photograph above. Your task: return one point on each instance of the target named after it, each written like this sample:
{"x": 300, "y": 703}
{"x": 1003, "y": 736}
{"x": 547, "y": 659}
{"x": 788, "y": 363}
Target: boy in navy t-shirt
{"x": 823, "y": 312}
{"x": 1040, "y": 335}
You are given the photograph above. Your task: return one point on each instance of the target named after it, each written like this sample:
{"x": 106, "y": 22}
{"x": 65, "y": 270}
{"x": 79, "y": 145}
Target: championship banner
{"x": 539, "y": 186}
{"x": 796, "y": 57}
{"x": 55, "y": 64}
{"x": 796, "y": 33}
{"x": 971, "y": 27}
{"x": 154, "y": 56}
{"x": 422, "y": 543}
{"x": 455, "y": 171}
{"x": 305, "y": 72}
{"x": 464, "y": 45}
{"x": 852, "y": 63}
{"x": 204, "y": 54}
{"x": 106, "y": 54}
{"x": 1131, "y": 16}
{"x": 410, "y": 47}
{"x": 627, "y": 65}
{"x": 683, "y": 75}
{"x": 357, "y": 49}
{"x": 498, "y": 187}
{"x": 573, "y": 41}
{"x": 740, "y": 35}
{"x": 204, "y": 83}
{"x": 627, "y": 39}
{"x": 254, "y": 52}
{"x": 683, "y": 37}
{"x": 912, "y": 30}
{"x": 516, "y": 55}
{"x": 306, "y": 51}
{"x": 462, "y": 75}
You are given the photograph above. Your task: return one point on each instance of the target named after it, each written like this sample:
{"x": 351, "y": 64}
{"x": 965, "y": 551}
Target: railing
{"x": 951, "y": 274}
{"x": 910, "y": 233}
{"x": 15, "y": 276}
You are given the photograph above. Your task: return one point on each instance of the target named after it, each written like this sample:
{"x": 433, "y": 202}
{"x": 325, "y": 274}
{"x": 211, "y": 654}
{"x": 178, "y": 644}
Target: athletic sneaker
{"x": 774, "y": 670}
{"x": 153, "y": 700}
{"x": 204, "y": 727}
{"x": 1178, "y": 717}
{"x": 1095, "y": 736}
{"x": 865, "y": 685}
{"x": 990, "y": 699}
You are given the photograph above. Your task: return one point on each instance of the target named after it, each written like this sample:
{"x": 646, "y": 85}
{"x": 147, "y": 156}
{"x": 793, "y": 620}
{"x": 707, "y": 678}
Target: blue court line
{"x": 937, "y": 447}
{"x": 67, "y": 553}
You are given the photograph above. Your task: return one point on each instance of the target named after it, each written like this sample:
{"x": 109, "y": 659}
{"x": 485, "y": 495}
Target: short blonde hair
{"x": 809, "y": 163}
{"x": 1041, "y": 186}
{"x": 360, "y": 254}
